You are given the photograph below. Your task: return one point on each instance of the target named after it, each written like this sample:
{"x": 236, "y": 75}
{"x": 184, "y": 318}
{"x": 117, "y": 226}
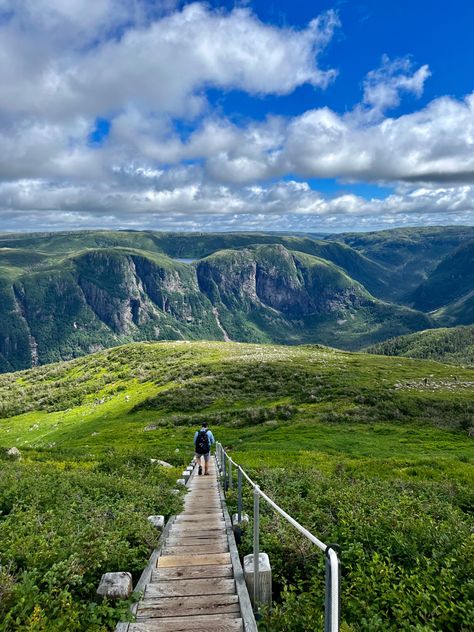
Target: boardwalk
{"x": 195, "y": 582}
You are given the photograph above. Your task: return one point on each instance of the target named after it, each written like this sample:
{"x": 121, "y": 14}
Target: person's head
{"x": 204, "y": 424}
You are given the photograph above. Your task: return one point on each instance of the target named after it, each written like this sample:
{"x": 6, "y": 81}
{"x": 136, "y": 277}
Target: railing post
{"x": 332, "y": 599}
{"x": 224, "y": 473}
{"x": 256, "y": 544}
{"x": 239, "y": 495}
{"x": 231, "y": 482}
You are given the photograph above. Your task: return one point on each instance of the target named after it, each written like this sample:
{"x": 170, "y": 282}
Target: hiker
{"x": 203, "y": 439}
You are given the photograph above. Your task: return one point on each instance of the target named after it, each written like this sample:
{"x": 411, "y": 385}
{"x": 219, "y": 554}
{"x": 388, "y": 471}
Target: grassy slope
{"x": 453, "y": 345}
{"x": 356, "y": 435}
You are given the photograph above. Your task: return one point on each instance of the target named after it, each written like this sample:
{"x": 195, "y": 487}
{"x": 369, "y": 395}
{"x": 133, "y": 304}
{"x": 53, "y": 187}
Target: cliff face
{"x": 106, "y": 296}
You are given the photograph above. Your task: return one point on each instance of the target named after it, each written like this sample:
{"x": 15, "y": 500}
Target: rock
{"x": 157, "y": 521}
{"x": 150, "y": 427}
{"x": 14, "y": 452}
{"x": 160, "y": 462}
{"x": 115, "y": 585}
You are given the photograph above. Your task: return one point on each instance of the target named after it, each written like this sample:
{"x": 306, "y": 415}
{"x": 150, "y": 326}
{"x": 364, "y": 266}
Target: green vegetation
{"x": 454, "y": 345}
{"x": 452, "y": 280}
{"x": 368, "y": 451}
{"x": 65, "y": 295}
{"x": 63, "y": 524}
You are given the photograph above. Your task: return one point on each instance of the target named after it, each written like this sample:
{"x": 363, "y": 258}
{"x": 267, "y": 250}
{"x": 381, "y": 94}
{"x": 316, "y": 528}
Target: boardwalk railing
{"x": 332, "y": 590}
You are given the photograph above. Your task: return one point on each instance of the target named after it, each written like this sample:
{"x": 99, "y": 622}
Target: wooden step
{"x": 191, "y": 572}
{"x": 220, "y": 622}
{"x": 201, "y": 549}
{"x": 190, "y": 588}
{"x": 187, "y": 606}
{"x": 166, "y": 561}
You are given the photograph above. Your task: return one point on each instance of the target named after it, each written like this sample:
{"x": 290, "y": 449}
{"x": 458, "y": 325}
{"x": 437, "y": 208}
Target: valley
{"x": 64, "y": 295}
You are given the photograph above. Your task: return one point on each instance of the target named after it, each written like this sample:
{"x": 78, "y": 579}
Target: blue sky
{"x": 292, "y": 116}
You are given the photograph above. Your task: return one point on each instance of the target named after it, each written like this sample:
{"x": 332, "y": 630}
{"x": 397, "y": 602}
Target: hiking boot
{"x": 200, "y": 470}
{"x": 206, "y": 473}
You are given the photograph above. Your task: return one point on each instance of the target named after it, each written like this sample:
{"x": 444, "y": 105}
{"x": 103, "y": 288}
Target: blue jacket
{"x": 209, "y": 434}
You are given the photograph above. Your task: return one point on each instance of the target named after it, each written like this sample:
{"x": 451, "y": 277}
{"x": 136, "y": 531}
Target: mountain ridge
{"x": 66, "y": 294}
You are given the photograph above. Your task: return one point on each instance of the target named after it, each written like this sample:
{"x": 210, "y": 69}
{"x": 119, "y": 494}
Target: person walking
{"x": 203, "y": 440}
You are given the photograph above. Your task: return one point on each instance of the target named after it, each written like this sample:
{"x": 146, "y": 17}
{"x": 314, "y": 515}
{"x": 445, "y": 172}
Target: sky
{"x": 306, "y": 116}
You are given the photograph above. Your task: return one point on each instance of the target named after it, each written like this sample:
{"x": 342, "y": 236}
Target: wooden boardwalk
{"x": 195, "y": 581}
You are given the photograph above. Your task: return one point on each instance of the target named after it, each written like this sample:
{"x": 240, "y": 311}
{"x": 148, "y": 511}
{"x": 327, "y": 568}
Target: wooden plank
{"x": 187, "y": 606}
{"x": 193, "y": 560}
{"x": 196, "y": 549}
{"x": 191, "y": 572}
{"x": 211, "y": 515}
{"x": 222, "y": 623}
{"x": 201, "y": 520}
{"x": 190, "y": 541}
{"x": 192, "y": 529}
{"x": 190, "y": 588}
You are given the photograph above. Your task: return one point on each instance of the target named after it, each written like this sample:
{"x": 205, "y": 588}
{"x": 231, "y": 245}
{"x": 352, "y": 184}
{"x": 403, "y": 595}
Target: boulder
{"x": 14, "y": 452}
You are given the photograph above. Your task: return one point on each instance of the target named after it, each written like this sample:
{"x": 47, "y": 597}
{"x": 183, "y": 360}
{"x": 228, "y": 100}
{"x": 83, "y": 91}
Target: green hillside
{"x": 454, "y": 345}
{"x": 409, "y": 254}
{"x": 449, "y": 287}
{"x": 368, "y": 451}
{"x": 59, "y": 303}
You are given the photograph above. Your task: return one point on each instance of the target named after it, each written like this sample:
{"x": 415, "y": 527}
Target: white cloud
{"x": 147, "y": 66}
{"x": 162, "y": 65}
{"x": 382, "y": 87}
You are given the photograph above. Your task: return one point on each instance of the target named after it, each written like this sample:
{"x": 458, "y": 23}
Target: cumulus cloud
{"x": 150, "y": 199}
{"x": 162, "y": 65}
{"x": 146, "y": 68}
{"x": 383, "y": 86}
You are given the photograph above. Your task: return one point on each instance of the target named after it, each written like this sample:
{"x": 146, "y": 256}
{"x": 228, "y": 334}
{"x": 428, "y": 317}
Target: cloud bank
{"x": 170, "y": 159}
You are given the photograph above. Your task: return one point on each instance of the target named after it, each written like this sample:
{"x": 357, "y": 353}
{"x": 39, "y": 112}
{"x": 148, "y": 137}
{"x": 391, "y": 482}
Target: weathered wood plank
{"x": 191, "y": 572}
{"x": 192, "y": 529}
{"x": 193, "y": 560}
{"x": 210, "y": 515}
{"x": 190, "y": 587}
{"x": 187, "y": 606}
{"x": 196, "y": 549}
{"x": 219, "y": 520}
{"x": 190, "y": 541}
{"x": 218, "y": 622}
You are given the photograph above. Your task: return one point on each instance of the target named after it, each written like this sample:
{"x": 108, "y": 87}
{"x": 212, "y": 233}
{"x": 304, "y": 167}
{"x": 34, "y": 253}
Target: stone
{"x": 157, "y": 521}
{"x": 14, "y": 452}
{"x": 264, "y": 578}
{"x": 160, "y": 462}
{"x": 115, "y": 585}
{"x": 244, "y": 520}
{"x": 150, "y": 427}
{"x": 181, "y": 481}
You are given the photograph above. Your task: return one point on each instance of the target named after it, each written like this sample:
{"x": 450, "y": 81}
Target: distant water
{"x": 184, "y": 260}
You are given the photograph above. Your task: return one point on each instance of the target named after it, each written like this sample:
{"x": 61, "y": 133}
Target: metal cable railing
{"x": 332, "y": 589}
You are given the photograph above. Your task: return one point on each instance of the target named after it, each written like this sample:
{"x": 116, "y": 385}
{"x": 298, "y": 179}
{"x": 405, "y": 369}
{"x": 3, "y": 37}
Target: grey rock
{"x": 157, "y": 521}
{"x": 115, "y": 585}
{"x": 14, "y": 452}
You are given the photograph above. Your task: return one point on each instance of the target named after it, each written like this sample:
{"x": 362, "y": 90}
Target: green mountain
{"x": 67, "y": 294}
{"x": 60, "y": 305}
{"x": 408, "y": 254}
{"x": 453, "y": 345}
{"x": 449, "y": 289}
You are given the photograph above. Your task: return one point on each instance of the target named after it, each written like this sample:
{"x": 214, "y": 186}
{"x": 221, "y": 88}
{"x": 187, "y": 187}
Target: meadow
{"x": 371, "y": 452}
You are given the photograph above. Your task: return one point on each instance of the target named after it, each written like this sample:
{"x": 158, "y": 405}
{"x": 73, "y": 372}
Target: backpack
{"x": 202, "y": 442}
